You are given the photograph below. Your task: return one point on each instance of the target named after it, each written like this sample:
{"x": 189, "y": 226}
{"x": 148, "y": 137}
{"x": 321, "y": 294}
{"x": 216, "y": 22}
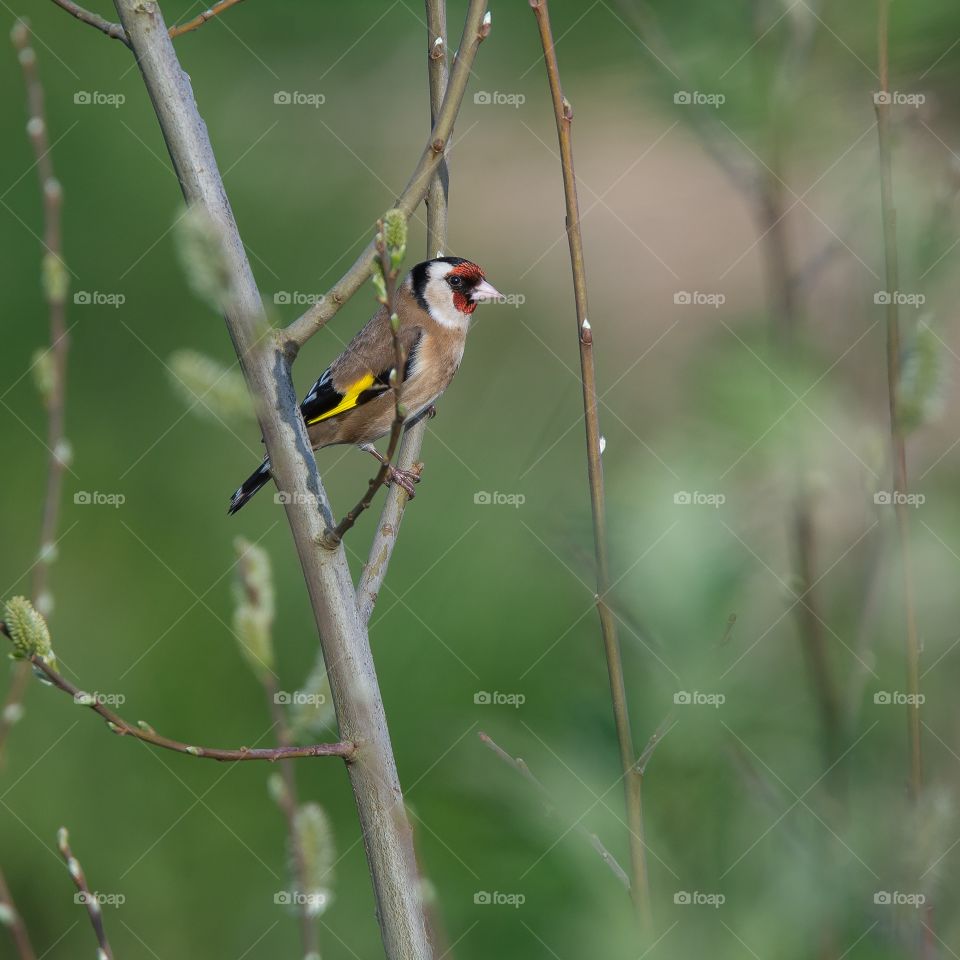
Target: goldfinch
{"x": 352, "y": 402}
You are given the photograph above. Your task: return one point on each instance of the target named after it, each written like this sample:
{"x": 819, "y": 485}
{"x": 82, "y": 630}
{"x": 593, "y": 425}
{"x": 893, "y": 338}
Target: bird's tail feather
{"x": 249, "y": 487}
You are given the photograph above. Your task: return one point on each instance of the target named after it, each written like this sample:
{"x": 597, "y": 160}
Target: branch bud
{"x": 395, "y": 235}
{"x": 56, "y": 282}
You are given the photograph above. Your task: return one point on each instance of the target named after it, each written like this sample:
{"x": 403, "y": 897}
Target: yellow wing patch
{"x": 349, "y": 400}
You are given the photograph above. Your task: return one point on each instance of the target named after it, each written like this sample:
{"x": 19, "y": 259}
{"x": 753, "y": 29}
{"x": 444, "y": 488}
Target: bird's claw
{"x": 405, "y": 479}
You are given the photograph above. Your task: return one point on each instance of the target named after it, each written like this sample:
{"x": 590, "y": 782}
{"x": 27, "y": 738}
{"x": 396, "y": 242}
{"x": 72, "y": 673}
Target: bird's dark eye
{"x": 455, "y": 281}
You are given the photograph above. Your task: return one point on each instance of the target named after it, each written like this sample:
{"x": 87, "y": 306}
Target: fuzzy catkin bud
{"x": 28, "y": 631}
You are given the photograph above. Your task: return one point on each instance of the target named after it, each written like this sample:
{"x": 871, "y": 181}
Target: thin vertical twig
{"x": 897, "y": 432}
{"x": 632, "y": 778}
{"x": 55, "y": 360}
{"x": 14, "y": 922}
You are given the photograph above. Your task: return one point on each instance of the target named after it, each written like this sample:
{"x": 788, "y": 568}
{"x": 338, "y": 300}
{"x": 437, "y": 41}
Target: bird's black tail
{"x": 250, "y": 486}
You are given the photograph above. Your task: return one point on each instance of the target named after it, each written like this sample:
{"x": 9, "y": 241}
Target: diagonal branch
{"x": 475, "y": 30}
{"x": 632, "y": 778}
{"x": 388, "y": 528}
{"x": 94, "y": 910}
{"x": 200, "y": 20}
{"x": 146, "y": 733}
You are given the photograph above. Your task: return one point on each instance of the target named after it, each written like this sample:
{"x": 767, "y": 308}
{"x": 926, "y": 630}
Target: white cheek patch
{"x": 439, "y": 299}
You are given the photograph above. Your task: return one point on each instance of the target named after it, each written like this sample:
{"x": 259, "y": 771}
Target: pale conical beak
{"x": 484, "y": 292}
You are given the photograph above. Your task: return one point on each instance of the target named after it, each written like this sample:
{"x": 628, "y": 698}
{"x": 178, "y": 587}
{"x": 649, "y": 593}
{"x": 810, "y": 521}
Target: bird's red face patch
{"x": 469, "y": 275}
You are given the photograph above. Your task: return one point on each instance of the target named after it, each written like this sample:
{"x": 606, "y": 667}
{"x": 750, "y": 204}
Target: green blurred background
{"x": 699, "y": 397}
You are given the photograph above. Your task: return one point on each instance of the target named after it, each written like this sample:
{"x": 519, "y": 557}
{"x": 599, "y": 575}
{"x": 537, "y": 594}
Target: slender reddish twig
{"x": 94, "y": 910}
{"x": 143, "y": 731}
{"x": 632, "y": 777}
{"x": 200, "y": 20}
{"x": 14, "y": 923}
{"x": 55, "y": 396}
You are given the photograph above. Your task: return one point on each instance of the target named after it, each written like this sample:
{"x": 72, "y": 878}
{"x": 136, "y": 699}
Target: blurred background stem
{"x": 632, "y": 777}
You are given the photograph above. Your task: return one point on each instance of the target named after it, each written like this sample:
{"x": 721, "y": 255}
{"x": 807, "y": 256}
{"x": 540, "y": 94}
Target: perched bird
{"x": 353, "y": 403}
